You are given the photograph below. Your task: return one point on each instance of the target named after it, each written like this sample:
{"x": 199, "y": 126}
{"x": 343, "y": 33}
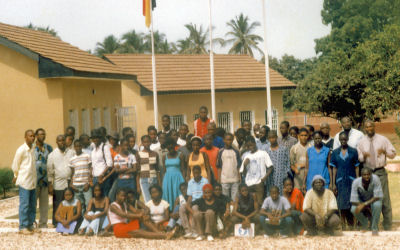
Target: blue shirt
{"x": 217, "y": 142}
{"x": 41, "y": 164}
{"x": 195, "y": 189}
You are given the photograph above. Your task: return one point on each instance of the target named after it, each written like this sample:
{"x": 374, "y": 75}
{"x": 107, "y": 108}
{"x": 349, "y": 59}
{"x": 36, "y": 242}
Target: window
{"x": 107, "y": 119}
{"x": 74, "y": 120}
{"x": 126, "y": 117}
{"x": 246, "y": 116}
{"x": 225, "y": 121}
{"x": 274, "y": 125}
{"x": 96, "y": 118}
{"x": 176, "y": 121}
{"x": 86, "y": 121}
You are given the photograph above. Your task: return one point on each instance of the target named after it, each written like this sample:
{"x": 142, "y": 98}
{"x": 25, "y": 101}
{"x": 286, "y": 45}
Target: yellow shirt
{"x": 24, "y": 167}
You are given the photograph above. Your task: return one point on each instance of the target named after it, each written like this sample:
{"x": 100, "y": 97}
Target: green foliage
{"x": 293, "y": 69}
{"x": 365, "y": 85}
{"x": 110, "y": 45}
{"x": 44, "y": 29}
{"x": 6, "y": 177}
{"x": 242, "y": 38}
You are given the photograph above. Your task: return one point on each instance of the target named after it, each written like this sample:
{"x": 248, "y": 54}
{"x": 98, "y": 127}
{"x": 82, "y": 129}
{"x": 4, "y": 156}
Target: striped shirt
{"x": 124, "y": 163}
{"x": 148, "y": 164}
{"x": 81, "y": 166}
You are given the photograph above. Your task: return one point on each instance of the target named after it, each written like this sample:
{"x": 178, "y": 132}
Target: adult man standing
{"x": 59, "y": 172}
{"x": 200, "y": 125}
{"x": 354, "y": 135}
{"x": 366, "y": 192}
{"x": 42, "y": 151}
{"x": 24, "y": 170}
{"x": 286, "y": 140}
{"x": 327, "y": 140}
{"x": 320, "y": 208}
{"x": 372, "y": 151}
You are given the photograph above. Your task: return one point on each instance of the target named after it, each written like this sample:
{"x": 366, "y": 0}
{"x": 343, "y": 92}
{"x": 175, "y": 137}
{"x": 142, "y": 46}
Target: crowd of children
{"x": 172, "y": 183}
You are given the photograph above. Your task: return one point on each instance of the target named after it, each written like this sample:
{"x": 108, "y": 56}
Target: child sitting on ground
{"x": 68, "y": 213}
{"x": 159, "y": 208}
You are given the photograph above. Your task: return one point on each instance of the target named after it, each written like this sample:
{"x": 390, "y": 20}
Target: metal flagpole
{"x": 153, "y": 64}
{"x": 267, "y": 80}
{"x": 212, "y": 68}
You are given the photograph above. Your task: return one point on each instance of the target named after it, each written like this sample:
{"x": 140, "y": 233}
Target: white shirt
{"x": 153, "y": 147}
{"x": 157, "y": 213}
{"x": 24, "y": 167}
{"x": 181, "y": 142}
{"x": 257, "y": 168}
{"x": 58, "y": 168}
{"x": 354, "y": 138}
{"x": 98, "y": 163}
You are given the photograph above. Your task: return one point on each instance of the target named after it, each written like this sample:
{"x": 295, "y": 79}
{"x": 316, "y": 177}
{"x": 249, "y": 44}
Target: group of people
{"x": 201, "y": 185}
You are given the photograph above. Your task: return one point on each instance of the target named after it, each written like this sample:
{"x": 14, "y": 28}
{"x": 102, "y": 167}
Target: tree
{"x": 110, "y": 45}
{"x": 354, "y": 21}
{"x": 43, "y": 29}
{"x": 6, "y": 177}
{"x": 132, "y": 42}
{"x": 242, "y": 38}
{"x": 293, "y": 69}
{"x": 161, "y": 45}
{"x": 365, "y": 85}
{"x": 197, "y": 39}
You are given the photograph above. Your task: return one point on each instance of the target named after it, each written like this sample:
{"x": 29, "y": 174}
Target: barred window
{"x": 225, "y": 121}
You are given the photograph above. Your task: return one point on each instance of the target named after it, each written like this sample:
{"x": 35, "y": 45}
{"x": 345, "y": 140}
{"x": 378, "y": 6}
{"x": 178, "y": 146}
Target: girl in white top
{"x": 125, "y": 220}
{"x": 159, "y": 208}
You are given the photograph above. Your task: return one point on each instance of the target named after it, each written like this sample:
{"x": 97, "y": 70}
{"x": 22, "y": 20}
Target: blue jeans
{"x": 27, "y": 207}
{"x": 105, "y": 186}
{"x": 376, "y": 208}
{"x": 145, "y": 184}
{"x": 83, "y": 197}
{"x": 284, "y": 227}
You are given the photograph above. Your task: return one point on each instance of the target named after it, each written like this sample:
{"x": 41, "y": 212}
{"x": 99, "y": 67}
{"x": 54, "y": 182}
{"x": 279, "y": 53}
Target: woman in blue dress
{"x": 174, "y": 165}
{"x": 344, "y": 163}
{"x": 318, "y": 157}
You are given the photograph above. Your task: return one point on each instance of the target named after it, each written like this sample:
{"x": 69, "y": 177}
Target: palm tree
{"x": 132, "y": 43}
{"x": 44, "y": 29}
{"x": 197, "y": 39}
{"x": 110, "y": 45}
{"x": 183, "y": 46}
{"x": 242, "y": 37}
{"x": 161, "y": 45}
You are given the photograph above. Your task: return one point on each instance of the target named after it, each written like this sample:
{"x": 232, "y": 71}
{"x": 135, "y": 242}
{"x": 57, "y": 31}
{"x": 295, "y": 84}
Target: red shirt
{"x": 200, "y": 127}
{"x": 212, "y": 158}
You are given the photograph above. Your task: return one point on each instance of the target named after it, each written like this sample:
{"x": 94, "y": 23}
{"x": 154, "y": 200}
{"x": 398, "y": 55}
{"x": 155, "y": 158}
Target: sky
{"x": 292, "y": 25}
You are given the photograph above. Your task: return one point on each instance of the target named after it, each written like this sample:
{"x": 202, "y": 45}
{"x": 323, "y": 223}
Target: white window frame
{"x": 275, "y": 119}
{"x": 229, "y": 124}
{"x": 96, "y": 118}
{"x": 107, "y": 119}
{"x": 175, "y": 124}
{"x": 74, "y": 120}
{"x": 250, "y": 116}
{"x": 86, "y": 121}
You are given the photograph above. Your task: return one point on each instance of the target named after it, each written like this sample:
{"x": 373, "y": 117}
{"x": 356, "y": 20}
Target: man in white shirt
{"x": 354, "y": 135}
{"x": 102, "y": 163}
{"x": 25, "y": 177}
{"x": 59, "y": 172}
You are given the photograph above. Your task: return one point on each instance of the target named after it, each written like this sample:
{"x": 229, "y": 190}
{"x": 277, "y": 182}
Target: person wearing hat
{"x": 205, "y": 216}
{"x": 320, "y": 209}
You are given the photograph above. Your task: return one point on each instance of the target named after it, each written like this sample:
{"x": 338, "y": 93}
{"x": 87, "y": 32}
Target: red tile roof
{"x": 192, "y": 72}
{"x": 55, "y": 49}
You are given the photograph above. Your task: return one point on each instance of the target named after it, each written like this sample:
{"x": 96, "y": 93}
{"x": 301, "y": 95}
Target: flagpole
{"x": 267, "y": 79}
{"x": 212, "y": 67}
{"x": 153, "y": 64}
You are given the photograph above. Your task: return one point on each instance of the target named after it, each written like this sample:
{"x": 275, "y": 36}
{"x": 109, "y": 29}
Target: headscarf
{"x": 318, "y": 177}
{"x": 208, "y": 186}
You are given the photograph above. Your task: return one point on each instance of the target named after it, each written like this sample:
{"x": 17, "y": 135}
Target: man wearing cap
{"x": 320, "y": 209}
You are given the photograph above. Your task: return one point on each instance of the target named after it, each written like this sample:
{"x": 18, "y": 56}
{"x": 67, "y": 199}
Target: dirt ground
{"x": 55, "y": 241}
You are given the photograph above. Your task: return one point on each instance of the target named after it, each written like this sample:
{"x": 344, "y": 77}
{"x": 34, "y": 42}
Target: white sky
{"x": 292, "y": 24}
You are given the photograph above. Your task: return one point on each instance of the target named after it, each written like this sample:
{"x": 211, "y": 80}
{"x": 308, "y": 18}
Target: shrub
{"x": 6, "y": 177}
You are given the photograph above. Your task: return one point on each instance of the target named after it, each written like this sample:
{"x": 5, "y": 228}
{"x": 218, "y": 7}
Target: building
{"x": 47, "y": 83}
{"x": 183, "y": 85}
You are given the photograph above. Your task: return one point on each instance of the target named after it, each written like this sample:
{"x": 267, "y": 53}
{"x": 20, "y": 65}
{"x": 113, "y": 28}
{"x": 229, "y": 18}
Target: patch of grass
{"x": 394, "y": 189}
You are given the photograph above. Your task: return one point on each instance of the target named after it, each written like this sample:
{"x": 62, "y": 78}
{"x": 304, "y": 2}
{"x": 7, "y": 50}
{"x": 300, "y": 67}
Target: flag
{"x": 146, "y": 10}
